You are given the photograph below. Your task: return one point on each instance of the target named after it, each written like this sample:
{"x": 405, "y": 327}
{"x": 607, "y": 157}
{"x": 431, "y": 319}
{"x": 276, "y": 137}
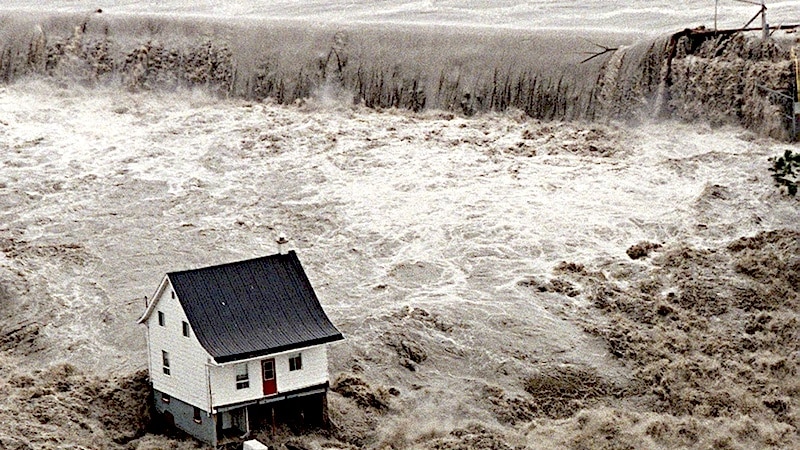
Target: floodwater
{"x": 636, "y": 15}
{"x": 433, "y": 240}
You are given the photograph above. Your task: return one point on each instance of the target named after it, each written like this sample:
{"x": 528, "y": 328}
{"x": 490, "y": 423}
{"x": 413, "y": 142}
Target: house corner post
{"x": 326, "y": 420}
{"x": 274, "y": 430}
{"x": 247, "y": 420}
{"x": 208, "y": 387}
{"x": 215, "y": 439}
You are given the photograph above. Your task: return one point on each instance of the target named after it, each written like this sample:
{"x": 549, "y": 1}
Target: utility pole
{"x": 763, "y": 13}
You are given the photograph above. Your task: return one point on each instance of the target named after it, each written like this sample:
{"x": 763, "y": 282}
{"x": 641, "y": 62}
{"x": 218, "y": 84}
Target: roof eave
{"x": 228, "y": 359}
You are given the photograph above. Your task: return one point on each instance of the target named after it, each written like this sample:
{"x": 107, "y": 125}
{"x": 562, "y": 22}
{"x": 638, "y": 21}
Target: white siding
{"x": 223, "y": 384}
{"x": 315, "y": 369}
{"x": 187, "y": 380}
{"x": 314, "y": 372}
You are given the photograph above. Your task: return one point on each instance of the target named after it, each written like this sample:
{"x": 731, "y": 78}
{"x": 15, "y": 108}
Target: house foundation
{"x": 185, "y": 417}
{"x": 300, "y": 410}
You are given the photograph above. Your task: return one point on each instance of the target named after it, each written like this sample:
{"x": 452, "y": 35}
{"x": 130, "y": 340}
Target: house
{"x": 230, "y": 344}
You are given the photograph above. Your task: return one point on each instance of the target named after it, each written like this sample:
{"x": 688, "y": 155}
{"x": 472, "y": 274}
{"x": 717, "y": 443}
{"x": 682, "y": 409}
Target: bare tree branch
{"x": 597, "y": 53}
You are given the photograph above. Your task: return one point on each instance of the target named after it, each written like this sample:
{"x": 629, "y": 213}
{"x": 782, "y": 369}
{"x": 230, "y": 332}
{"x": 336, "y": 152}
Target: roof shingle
{"x": 252, "y": 308}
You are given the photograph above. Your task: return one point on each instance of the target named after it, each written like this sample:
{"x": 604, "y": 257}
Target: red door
{"x": 270, "y": 386}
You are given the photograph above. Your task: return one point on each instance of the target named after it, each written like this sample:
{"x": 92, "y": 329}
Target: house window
{"x": 242, "y": 377}
{"x": 165, "y": 398}
{"x": 197, "y": 417}
{"x": 173, "y": 295}
{"x": 295, "y": 362}
{"x": 161, "y": 319}
{"x": 269, "y": 369}
{"x": 185, "y": 329}
{"x": 165, "y": 362}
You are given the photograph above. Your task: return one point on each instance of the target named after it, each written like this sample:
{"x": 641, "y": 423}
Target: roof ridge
{"x": 233, "y": 263}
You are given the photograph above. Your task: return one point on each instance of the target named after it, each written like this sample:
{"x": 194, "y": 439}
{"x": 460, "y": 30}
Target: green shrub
{"x": 785, "y": 170}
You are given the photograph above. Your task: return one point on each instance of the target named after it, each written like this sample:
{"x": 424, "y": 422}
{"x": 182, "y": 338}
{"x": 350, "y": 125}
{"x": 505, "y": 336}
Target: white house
{"x": 229, "y": 344}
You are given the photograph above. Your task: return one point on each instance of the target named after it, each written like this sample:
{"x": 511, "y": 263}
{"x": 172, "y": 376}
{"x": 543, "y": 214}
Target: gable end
{"x": 151, "y": 306}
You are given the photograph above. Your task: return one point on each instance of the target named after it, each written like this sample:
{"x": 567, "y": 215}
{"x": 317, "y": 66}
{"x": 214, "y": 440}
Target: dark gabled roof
{"x": 253, "y": 308}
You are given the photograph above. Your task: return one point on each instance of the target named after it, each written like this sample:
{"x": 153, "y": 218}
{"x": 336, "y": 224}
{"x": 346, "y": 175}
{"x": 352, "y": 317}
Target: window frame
{"x": 185, "y": 327}
{"x": 268, "y": 376}
{"x": 296, "y": 362}
{"x": 165, "y": 366}
{"x": 242, "y": 377}
{"x": 162, "y": 319}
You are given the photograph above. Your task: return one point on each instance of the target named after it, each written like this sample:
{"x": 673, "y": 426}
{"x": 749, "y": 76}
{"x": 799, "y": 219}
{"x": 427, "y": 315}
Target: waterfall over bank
{"x": 691, "y": 75}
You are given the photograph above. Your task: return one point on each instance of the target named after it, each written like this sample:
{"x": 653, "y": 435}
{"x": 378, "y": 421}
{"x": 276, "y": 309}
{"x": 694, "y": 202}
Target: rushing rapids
{"x": 546, "y": 74}
{"x": 503, "y": 282}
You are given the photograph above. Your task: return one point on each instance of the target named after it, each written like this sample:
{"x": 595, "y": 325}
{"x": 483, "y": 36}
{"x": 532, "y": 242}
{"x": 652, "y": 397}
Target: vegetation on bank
{"x": 786, "y": 171}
